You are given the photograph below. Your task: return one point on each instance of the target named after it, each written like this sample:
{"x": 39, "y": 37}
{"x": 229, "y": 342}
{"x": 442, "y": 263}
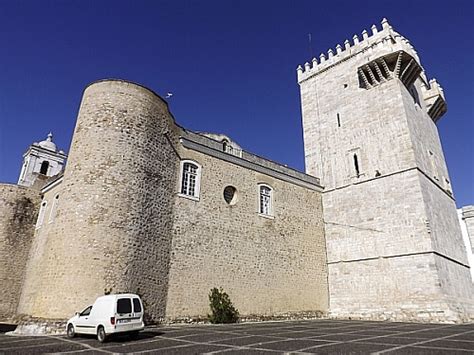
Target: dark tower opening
{"x": 356, "y": 165}
{"x": 44, "y": 167}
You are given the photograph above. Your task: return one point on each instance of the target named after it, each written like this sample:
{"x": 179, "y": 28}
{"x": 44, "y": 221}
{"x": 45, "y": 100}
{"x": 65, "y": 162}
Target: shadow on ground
{"x": 5, "y": 327}
{"x": 124, "y": 338}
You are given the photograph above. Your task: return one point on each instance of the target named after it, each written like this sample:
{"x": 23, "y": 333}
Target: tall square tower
{"x": 395, "y": 249}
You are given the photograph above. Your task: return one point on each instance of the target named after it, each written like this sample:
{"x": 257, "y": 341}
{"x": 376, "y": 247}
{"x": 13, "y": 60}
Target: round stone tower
{"x": 114, "y": 217}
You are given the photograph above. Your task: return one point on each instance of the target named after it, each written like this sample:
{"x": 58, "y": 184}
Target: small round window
{"x": 230, "y": 195}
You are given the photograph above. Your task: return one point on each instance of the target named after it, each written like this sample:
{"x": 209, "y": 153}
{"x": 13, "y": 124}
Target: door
{"x": 124, "y": 314}
{"x": 83, "y": 324}
{"x": 137, "y": 315}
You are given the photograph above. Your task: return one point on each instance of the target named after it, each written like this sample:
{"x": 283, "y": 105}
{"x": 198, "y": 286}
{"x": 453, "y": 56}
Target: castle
{"x": 143, "y": 205}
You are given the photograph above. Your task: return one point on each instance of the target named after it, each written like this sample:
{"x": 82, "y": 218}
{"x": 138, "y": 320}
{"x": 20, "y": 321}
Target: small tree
{"x": 222, "y": 309}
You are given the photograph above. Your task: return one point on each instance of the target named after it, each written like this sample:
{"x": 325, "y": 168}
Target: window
{"x": 54, "y": 208}
{"x": 137, "y": 307}
{"x": 86, "y": 312}
{"x": 338, "y": 120}
{"x": 44, "y": 167}
{"x": 124, "y": 305}
{"x": 41, "y": 214}
{"x": 356, "y": 165}
{"x": 265, "y": 200}
{"x": 228, "y": 148}
{"x": 190, "y": 179}
{"x": 230, "y": 195}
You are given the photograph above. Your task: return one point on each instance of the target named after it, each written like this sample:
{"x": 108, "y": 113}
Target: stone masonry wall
{"x": 396, "y": 289}
{"x": 382, "y": 261}
{"x": 372, "y": 125}
{"x": 268, "y": 266}
{"x": 114, "y": 221}
{"x": 383, "y": 226}
{"x": 468, "y": 217}
{"x": 18, "y": 212}
{"x": 39, "y": 258}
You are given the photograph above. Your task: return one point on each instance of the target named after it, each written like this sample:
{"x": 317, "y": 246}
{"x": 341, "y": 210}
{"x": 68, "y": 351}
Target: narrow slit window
{"x": 41, "y": 214}
{"x": 54, "y": 208}
{"x": 338, "y": 120}
{"x": 356, "y": 165}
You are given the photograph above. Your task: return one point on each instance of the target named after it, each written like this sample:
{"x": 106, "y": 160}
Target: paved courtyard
{"x": 299, "y": 337}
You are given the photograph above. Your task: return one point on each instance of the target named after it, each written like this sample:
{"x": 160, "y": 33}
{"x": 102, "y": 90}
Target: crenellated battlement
{"x": 383, "y": 42}
{"x": 433, "y": 94}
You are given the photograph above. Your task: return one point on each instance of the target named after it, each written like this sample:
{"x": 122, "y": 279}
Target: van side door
{"x": 137, "y": 311}
{"x": 83, "y": 324}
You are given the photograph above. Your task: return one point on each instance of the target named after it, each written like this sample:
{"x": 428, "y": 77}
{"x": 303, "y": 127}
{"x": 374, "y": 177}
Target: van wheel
{"x": 133, "y": 335}
{"x": 71, "y": 333}
{"x": 101, "y": 336}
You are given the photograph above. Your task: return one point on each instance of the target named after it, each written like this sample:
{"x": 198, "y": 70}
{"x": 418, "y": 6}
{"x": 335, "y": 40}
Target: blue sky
{"x": 230, "y": 64}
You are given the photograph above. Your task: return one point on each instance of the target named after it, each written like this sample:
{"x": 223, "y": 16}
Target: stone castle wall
{"x": 114, "y": 220}
{"x": 39, "y": 257}
{"x": 268, "y": 266}
{"x": 18, "y": 212}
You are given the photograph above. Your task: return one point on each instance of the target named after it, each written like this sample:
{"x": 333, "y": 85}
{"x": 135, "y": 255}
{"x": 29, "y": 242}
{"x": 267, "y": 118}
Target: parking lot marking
{"x": 378, "y": 337}
{"x": 262, "y": 336}
{"x": 68, "y": 352}
{"x": 90, "y": 347}
{"x": 424, "y": 342}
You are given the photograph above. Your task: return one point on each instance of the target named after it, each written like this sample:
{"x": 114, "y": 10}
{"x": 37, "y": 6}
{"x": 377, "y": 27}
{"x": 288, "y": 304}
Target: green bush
{"x": 222, "y": 309}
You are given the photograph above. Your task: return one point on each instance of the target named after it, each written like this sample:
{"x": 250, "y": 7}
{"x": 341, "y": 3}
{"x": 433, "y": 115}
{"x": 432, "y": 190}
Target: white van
{"x": 111, "y": 314}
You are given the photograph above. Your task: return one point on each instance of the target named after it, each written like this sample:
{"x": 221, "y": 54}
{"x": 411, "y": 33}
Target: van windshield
{"x": 124, "y": 305}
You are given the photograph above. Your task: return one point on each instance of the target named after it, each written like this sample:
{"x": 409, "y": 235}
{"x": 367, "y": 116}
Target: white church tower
{"x": 394, "y": 244}
{"x": 41, "y": 160}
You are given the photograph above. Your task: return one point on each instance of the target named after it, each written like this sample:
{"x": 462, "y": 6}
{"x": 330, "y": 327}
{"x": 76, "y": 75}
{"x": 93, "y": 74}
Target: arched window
{"x": 44, "y": 167}
{"x": 226, "y": 147}
{"x": 54, "y": 208}
{"x": 265, "y": 200}
{"x": 42, "y": 211}
{"x": 190, "y": 179}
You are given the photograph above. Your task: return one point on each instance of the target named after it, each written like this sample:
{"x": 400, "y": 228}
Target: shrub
{"x": 222, "y": 309}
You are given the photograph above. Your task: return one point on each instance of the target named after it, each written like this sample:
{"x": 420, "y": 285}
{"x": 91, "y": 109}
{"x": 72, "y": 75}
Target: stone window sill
{"x": 193, "y": 198}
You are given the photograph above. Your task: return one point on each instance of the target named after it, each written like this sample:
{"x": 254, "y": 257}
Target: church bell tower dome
{"x": 48, "y": 143}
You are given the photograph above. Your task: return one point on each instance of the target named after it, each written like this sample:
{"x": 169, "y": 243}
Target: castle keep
{"x": 143, "y": 205}
{"x": 394, "y": 242}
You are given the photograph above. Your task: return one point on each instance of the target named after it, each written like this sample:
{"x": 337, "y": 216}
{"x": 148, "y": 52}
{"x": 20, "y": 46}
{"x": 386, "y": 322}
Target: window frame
{"x": 197, "y": 186}
{"x": 271, "y": 210}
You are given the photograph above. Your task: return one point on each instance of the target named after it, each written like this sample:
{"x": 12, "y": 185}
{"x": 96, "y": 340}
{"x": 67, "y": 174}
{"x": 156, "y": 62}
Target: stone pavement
{"x": 299, "y": 337}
